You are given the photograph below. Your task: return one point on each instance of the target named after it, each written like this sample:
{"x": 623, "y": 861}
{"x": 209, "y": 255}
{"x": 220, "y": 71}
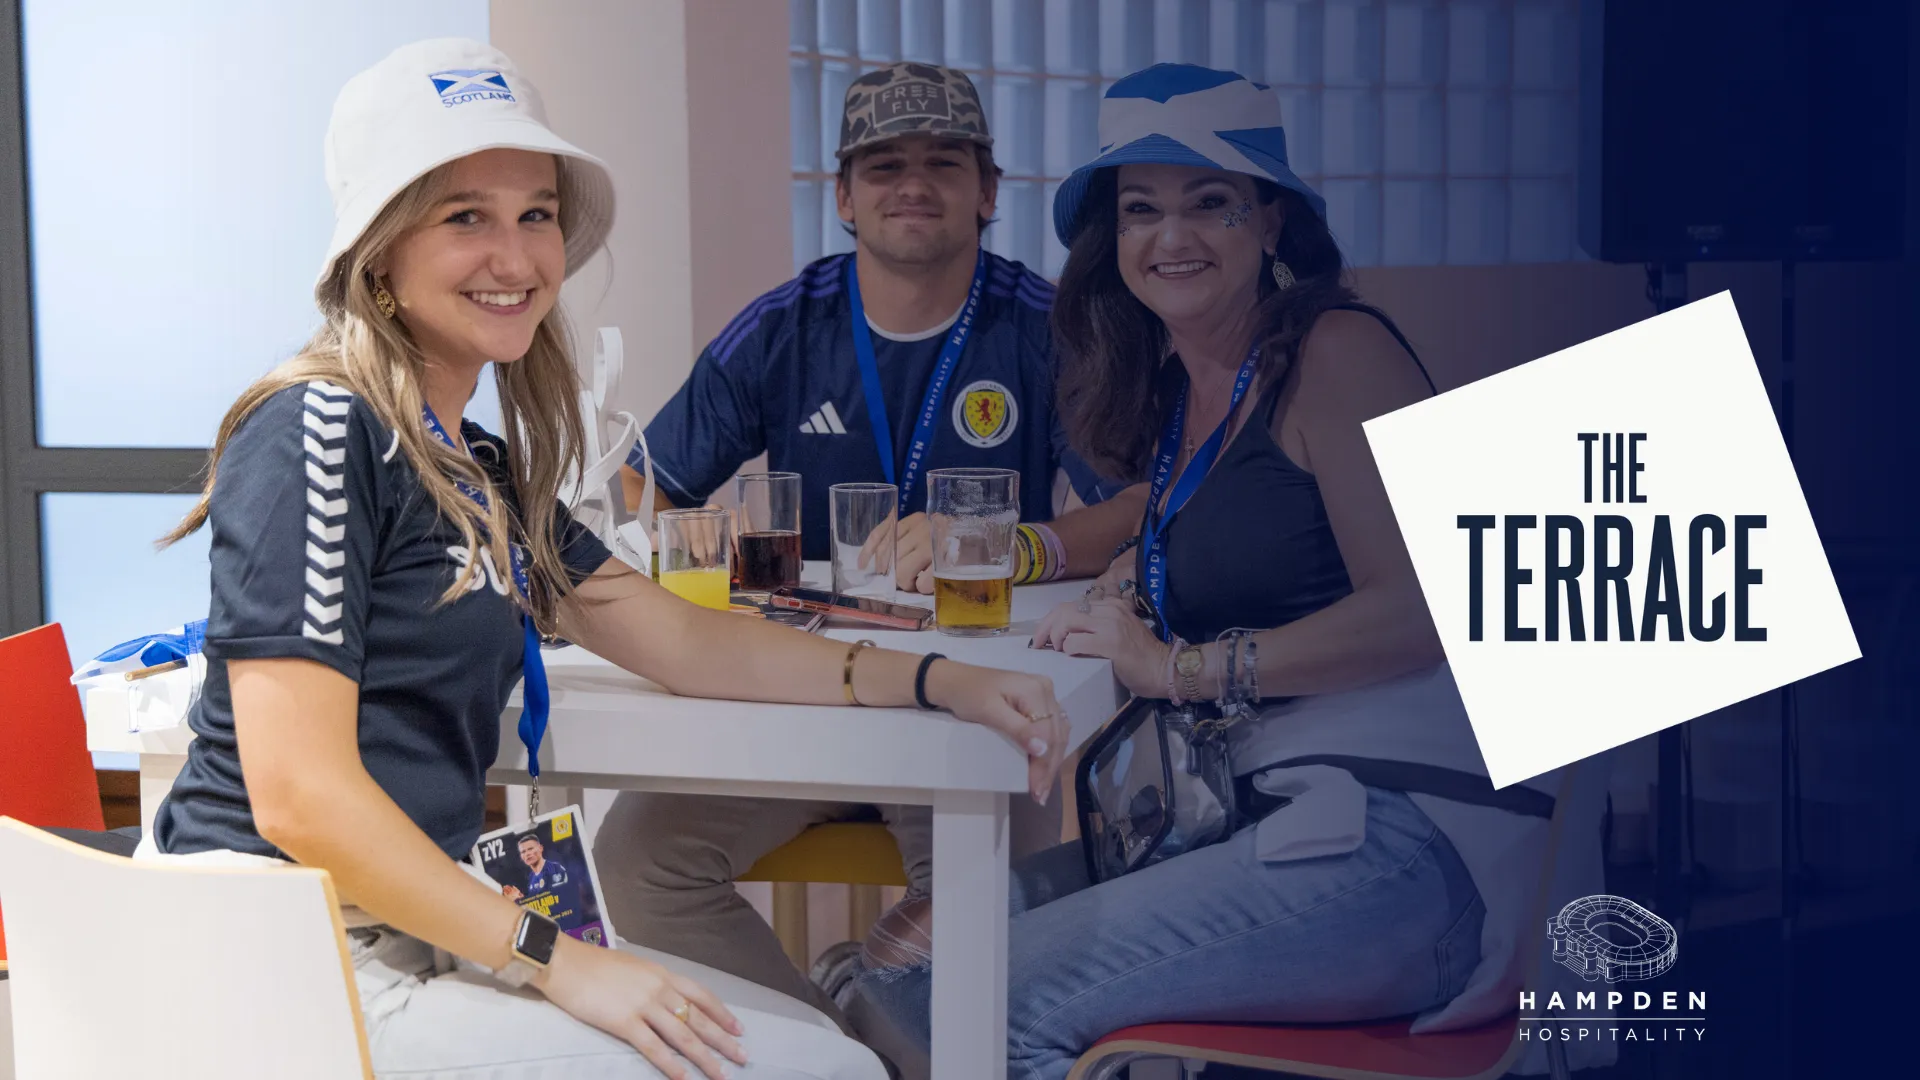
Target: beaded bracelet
{"x": 1250, "y": 667}
{"x": 1231, "y": 682}
{"x": 1240, "y": 691}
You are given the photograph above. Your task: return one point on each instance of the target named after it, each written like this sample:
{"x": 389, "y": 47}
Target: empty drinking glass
{"x": 864, "y": 518}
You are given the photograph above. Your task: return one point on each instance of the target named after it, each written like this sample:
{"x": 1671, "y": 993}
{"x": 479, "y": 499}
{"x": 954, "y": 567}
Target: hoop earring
{"x": 383, "y": 300}
{"x": 1283, "y": 278}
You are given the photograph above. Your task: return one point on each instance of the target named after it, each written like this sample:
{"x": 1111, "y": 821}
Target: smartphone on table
{"x": 865, "y": 610}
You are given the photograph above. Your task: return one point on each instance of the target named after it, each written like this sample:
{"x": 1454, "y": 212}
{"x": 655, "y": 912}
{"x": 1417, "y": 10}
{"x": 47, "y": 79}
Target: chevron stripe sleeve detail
{"x": 324, "y": 415}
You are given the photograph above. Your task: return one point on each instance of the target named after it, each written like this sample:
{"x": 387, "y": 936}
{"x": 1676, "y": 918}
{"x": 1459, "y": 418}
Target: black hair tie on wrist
{"x": 920, "y": 680}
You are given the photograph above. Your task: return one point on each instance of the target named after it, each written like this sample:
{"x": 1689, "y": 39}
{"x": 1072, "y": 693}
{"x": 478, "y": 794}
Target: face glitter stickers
{"x": 1237, "y": 216}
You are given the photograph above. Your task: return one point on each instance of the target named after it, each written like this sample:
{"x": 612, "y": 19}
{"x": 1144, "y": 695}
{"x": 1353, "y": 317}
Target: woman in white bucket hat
{"x": 378, "y": 591}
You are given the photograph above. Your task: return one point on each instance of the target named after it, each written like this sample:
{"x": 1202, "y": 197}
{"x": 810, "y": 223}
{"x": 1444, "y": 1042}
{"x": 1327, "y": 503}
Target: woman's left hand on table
{"x": 1108, "y": 628}
{"x": 1020, "y": 706}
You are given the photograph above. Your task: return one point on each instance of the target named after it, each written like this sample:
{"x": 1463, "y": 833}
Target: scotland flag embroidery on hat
{"x": 433, "y": 102}
{"x": 470, "y": 84}
{"x": 1183, "y": 114}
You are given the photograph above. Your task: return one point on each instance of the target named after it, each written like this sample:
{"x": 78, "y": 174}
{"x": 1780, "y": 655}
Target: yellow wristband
{"x": 1029, "y": 556}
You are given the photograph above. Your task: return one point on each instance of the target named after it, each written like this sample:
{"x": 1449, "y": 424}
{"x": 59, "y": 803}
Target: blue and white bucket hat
{"x": 1184, "y": 114}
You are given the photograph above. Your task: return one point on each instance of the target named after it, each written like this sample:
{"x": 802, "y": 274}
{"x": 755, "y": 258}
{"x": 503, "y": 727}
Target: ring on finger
{"x": 682, "y": 1012}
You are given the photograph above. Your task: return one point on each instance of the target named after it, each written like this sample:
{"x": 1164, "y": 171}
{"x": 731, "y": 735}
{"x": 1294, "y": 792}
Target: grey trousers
{"x": 668, "y": 862}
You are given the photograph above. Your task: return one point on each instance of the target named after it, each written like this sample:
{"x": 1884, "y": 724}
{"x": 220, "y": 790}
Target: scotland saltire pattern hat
{"x": 1184, "y": 114}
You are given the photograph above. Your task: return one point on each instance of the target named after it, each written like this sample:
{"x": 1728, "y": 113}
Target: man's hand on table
{"x": 913, "y": 555}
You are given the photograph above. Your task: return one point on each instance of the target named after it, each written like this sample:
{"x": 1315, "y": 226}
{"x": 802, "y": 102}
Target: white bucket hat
{"x": 437, "y": 101}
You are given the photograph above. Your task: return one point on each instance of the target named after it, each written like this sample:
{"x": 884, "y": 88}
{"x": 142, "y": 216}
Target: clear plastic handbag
{"x": 1156, "y": 782}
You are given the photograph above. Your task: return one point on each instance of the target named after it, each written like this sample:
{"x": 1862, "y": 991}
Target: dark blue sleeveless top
{"x": 1253, "y": 548}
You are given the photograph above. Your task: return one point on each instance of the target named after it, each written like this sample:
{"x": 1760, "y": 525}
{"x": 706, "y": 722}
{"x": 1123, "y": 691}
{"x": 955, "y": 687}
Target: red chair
{"x": 46, "y": 774}
{"x": 1377, "y": 1050}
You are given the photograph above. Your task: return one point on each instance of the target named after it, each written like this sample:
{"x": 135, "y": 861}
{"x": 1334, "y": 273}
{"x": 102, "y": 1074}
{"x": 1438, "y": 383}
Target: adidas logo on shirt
{"x": 824, "y": 421}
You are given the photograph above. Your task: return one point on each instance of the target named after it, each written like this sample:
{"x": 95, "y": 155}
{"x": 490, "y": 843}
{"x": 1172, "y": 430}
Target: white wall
{"x": 740, "y": 156}
{"x": 686, "y": 101}
{"x": 613, "y": 73}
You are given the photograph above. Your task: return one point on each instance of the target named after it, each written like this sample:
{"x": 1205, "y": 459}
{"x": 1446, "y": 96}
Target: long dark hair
{"x": 1110, "y": 347}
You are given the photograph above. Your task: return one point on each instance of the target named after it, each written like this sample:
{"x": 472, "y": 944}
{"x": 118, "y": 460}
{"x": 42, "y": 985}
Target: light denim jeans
{"x": 1388, "y": 929}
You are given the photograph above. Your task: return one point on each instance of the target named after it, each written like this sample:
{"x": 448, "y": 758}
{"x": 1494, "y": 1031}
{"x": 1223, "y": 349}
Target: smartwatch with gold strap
{"x": 534, "y": 940}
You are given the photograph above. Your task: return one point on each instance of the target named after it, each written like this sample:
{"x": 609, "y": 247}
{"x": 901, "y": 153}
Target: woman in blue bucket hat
{"x": 1210, "y": 348}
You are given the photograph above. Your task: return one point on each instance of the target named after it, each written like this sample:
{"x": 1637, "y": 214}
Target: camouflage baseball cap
{"x": 911, "y": 99}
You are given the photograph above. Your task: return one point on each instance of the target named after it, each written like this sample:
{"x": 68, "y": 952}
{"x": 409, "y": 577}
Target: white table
{"x": 610, "y": 729}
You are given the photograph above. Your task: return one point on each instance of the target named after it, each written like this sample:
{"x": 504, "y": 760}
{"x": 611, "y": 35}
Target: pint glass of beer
{"x": 768, "y": 544}
{"x": 973, "y": 513}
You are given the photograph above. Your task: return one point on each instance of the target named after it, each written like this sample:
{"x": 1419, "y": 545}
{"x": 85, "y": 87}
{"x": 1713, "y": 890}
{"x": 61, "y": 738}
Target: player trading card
{"x": 544, "y": 865}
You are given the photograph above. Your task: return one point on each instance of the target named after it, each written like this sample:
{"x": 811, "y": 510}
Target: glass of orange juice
{"x": 696, "y": 547}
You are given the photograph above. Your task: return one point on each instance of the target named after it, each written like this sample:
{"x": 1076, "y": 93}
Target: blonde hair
{"x": 377, "y": 359}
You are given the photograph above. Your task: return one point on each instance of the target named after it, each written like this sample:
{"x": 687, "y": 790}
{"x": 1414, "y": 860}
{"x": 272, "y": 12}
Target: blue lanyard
{"x": 936, "y": 389}
{"x": 1153, "y": 533}
{"x": 534, "y": 700}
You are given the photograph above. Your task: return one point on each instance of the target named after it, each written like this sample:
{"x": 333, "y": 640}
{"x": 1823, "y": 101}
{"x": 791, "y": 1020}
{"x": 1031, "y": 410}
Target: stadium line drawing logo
{"x": 1612, "y": 938}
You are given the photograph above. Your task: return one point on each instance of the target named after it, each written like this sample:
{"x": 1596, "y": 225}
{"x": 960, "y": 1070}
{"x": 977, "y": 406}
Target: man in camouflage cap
{"x": 956, "y": 341}
{"x": 908, "y": 134}
{"x": 911, "y": 99}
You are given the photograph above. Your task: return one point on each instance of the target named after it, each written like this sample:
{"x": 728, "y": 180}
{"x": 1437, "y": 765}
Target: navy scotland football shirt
{"x": 783, "y": 379}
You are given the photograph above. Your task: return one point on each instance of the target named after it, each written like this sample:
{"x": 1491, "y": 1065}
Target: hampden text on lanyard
{"x": 909, "y": 474}
{"x": 1153, "y": 533}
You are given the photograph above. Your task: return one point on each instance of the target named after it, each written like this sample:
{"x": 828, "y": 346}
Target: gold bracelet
{"x": 846, "y": 673}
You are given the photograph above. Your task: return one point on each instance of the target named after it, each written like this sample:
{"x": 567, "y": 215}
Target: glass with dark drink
{"x": 769, "y": 560}
{"x": 769, "y": 533}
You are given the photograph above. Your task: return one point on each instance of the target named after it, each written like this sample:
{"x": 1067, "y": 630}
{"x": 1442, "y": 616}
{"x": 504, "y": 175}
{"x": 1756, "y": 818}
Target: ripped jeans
{"x": 1388, "y": 929}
